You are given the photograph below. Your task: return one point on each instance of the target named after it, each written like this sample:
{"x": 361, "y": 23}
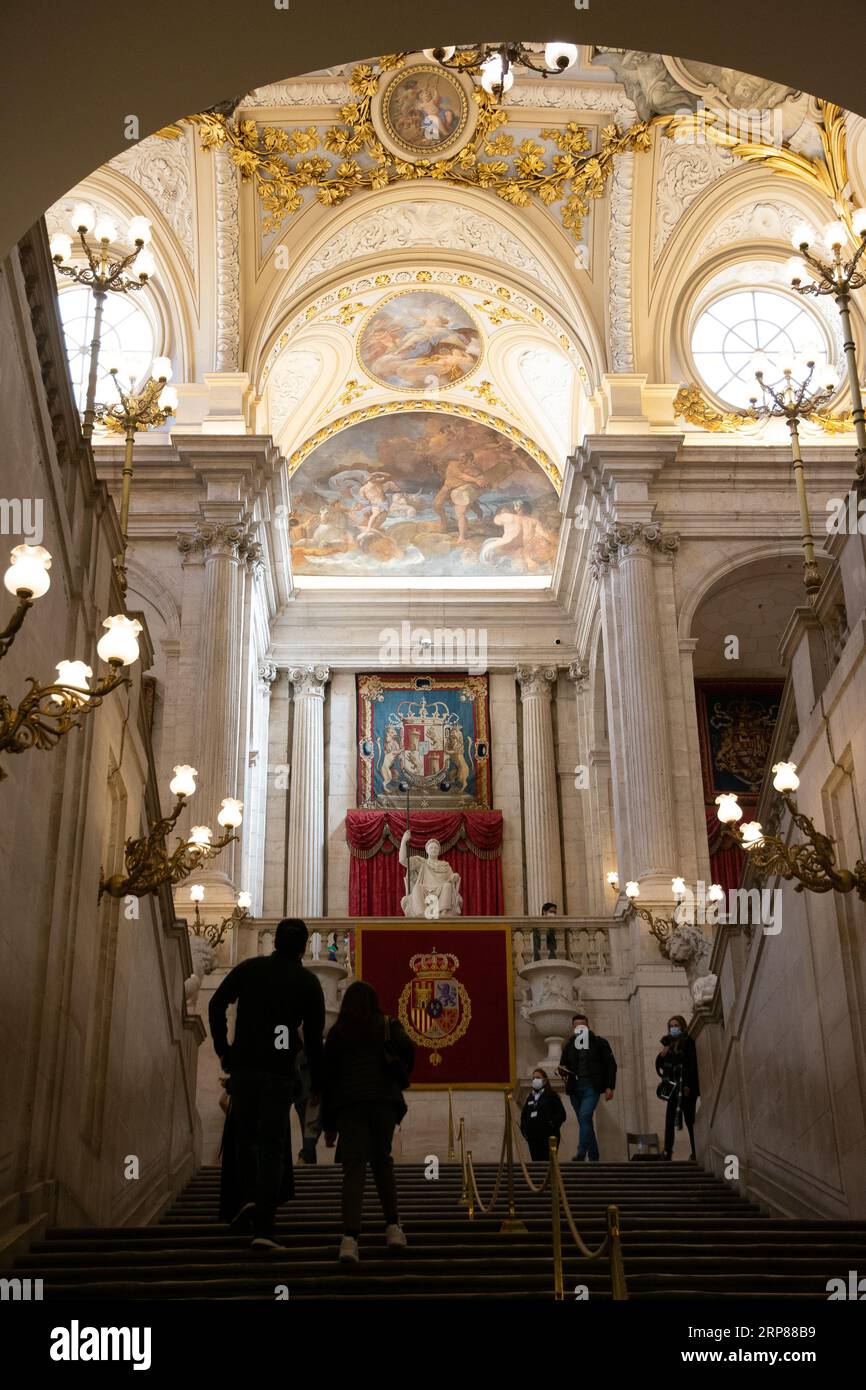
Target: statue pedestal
{"x": 551, "y": 1006}
{"x": 329, "y": 975}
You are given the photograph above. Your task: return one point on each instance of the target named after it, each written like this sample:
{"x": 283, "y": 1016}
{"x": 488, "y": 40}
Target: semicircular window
{"x": 126, "y": 328}
{"x": 736, "y": 325}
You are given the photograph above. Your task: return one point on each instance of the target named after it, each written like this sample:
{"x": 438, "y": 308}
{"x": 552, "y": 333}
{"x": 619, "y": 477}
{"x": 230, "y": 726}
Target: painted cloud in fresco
{"x": 421, "y": 339}
{"x": 427, "y": 495}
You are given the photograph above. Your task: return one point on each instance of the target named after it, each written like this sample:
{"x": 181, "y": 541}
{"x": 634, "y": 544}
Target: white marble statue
{"x": 432, "y": 887}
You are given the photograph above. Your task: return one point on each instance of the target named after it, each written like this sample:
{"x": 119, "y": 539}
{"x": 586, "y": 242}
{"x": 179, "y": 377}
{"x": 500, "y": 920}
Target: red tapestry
{"x": 471, "y": 844}
{"x": 451, "y": 988}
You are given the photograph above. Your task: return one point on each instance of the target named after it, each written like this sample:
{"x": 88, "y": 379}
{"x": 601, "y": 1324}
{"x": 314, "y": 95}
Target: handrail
{"x": 611, "y": 1245}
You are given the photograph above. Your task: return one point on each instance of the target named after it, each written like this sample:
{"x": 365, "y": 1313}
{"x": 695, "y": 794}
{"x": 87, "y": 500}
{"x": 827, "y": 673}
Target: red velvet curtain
{"x": 726, "y": 858}
{"x": 471, "y": 844}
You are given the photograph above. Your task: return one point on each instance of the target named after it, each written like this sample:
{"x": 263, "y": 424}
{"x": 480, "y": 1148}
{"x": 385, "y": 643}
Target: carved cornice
{"x": 309, "y": 681}
{"x": 536, "y": 681}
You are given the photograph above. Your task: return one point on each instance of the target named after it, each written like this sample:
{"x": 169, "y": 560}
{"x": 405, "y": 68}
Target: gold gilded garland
{"x": 692, "y": 406}
{"x": 281, "y": 163}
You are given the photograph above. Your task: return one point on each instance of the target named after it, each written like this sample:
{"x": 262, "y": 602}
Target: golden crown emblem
{"x": 433, "y": 964}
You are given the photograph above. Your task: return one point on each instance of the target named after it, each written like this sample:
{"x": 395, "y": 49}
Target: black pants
{"x": 261, "y": 1103}
{"x": 689, "y": 1105}
{"x": 366, "y": 1132}
{"x": 539, "y": 1150}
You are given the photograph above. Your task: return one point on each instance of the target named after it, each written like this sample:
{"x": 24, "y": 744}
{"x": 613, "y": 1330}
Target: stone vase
{"x": 551, "y": 1005}
{"x": 330, "y": 975}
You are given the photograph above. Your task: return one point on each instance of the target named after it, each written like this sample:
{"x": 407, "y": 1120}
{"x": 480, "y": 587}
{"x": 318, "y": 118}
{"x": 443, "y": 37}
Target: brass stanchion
{"x": 617, "y": 1269}
{"x": 512, "y": 1225}
{"x": 558, "y": 1283}
{"x": 450, "y": 1128}
{"x": 468, "y": 1185}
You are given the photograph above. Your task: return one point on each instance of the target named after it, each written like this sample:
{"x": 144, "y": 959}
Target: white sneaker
{"x": 395, "y": 1238}
{"x": 349, "y": 1251}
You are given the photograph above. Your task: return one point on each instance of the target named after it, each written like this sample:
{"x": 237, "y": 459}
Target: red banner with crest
{"x": 451, "y": 988}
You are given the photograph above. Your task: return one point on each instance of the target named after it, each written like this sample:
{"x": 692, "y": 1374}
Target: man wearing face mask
{"x": 589, "y": 1068}
{"x": 677, "y": 1065}
{"x": 542, "y": 1117}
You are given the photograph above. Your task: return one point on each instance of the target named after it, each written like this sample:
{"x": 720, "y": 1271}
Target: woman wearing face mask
{"x": 677, "y": 1065}
{"x": 543, "y": 1115}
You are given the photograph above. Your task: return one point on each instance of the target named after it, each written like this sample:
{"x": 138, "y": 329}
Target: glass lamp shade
{"x": 200, "y": 835}
{"x": 803, "y": 235}
{"x": 835, "y": 235}
{"x": 828, "y": 375}
{"x": 120, "y": 643}
{"x": 730, "y": 809}
{"x": 105, "y": 230}
{"x": 140, "y": 230}
{"x": 678, "y": 887}
{"x": 230, "y": 812}
{"x": 83, "y": 217}
{"x": 161, "y": 368}
{"x": 785, "y": 777}
{"x": 559, "y": 56}
{"x": 183, "y": 781}
{"x": 858, "y": 222}
{"x": 61, "y": 246}
{"x": 73, "y": 676}
{"x": 196, "y": 893}
{"x": 752, "y": 834}
{"x": 632, "y": 889}
{"x": 168, "y": 399}
{"x": 811, "y": 351}
{"x": 440, "y": 55}
{"x": 613, "y": 879}
{"x": 494, "y": 76}
{"x": 715, "y": 893}
{"x": 144, "y": 265}
{"x": 795, "y": 270}
{"x": 28, "y": 573}
{"x": 245, "y": 900}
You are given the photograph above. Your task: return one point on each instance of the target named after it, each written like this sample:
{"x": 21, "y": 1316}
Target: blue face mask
{"x": 675, "y": 1032}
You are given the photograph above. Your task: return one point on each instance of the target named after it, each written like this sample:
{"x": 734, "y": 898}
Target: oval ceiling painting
{"x": 422, "y": 494}
{"x": 419, "y": 340}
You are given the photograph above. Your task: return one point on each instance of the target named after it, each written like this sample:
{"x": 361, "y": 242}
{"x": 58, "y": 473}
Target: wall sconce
{"x": 214, "y": 932}
{"x": 812, "y": 864}
{"x": 47, "y": 712}
{"x": 662, "y": 928}
{"x": 26, "y": 579}
{"x": 148, "y": 862}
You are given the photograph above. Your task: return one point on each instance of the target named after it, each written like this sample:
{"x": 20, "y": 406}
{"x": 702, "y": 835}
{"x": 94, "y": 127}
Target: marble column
{"x": 306, "y": 848}
{"x": 540, "y": 809}
{"x": 218, "y": 694}
{"x": 633, "y": 548}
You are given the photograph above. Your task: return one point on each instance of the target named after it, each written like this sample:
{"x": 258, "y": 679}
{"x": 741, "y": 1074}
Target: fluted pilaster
{"x": 306, "y": 849}
{"x": 540, "y": 812}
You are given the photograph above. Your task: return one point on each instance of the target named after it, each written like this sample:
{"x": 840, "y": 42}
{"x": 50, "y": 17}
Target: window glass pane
{"x": 736, "y": 325}
{"x": 126, "y": 329}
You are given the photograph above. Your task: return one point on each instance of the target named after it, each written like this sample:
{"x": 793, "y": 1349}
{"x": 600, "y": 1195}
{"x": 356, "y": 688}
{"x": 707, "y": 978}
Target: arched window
{"x": 126, "y": 329}
{"x": 739, "y": 323}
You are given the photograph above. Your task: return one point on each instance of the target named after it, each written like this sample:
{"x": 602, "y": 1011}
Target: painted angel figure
{"x": 428, "y": 875}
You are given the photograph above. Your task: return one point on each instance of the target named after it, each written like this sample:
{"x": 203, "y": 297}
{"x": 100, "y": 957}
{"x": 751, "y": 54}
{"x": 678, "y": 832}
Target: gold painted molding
{"x": 691, "y": 405}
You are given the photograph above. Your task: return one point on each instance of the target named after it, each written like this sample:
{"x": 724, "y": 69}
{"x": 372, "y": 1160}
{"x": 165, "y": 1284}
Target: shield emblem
{"x": 434, "y": 1008}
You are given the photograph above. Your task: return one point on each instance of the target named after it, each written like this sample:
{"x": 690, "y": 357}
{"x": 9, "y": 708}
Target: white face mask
{"x": 537, "y": 1083}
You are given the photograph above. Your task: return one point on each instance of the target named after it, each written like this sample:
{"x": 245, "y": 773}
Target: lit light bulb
{"x": 858, "y": 222}
{"x": 785, "y": 777}
{"x": 28, "y": 573}
{"x": 559, "y": 56}
{"x": 245, "y": 900}
{"x": 168, "y": 400}
{"x": 494, "y": 76}
{"x": 83, "y": 217}
{"x": 201, "y": 836}
{"x": 829, "y": 376}
{"x": 119, "y": 646}
{"x": 439, "y": 55}
{"x": 61, "y": 246}
{"x": 105, "y": 230}
{"x": 140, "y": 229}
{"x": 161, "y": 368}
{"x": 730, "y": 809}
{"x": 803, "y": 235}
{"x": 196, "y": 892}
{"x": 613, "y": 879}
{"x": 73, "y": 676}
{"x": 835, "y": 235}
{"x": 760, "y": 364}
{"x": 811, "y": 351}
{"x": 230, "y": 812}
{"x": 715, "y": 893}
{"x": 795, "y": 270}
{"x": 144, "y": 266}
{"x": 183, "y": 781}
{"x": 678, "y": 887}
{"x": 632, "y": 890}
{"x": 752, "y": 834}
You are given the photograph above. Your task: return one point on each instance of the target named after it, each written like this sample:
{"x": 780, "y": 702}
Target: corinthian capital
{"x": 310, "y": 680}
{"x": 626, "y": 540}
{"x": 209, "y": 538}
{"x": 536, "y": 681}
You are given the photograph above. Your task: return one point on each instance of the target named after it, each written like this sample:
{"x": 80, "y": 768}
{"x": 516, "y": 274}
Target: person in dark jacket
{"x": 678, "y": 1063}
{"x": 362, "y": 1100}
{"x": 542, "y": 1117}
{"x": 275, "y": 996}
{"x": 589, "y": 1068}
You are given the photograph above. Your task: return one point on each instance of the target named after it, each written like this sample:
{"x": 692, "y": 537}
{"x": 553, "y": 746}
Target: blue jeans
{"x": 584, "y": 1098}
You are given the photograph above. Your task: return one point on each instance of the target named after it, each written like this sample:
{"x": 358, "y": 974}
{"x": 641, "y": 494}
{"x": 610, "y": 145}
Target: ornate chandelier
{"x": 495, "y": 62}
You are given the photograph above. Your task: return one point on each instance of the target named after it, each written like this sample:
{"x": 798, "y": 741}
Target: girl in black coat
{"x": 678, "y": 1063}
{"x": 543, "y": 1115}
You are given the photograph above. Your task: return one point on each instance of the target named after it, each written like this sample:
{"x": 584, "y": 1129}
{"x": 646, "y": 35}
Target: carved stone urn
{"x": 552, "y": 1002}
{"x": 330, "y": 975}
